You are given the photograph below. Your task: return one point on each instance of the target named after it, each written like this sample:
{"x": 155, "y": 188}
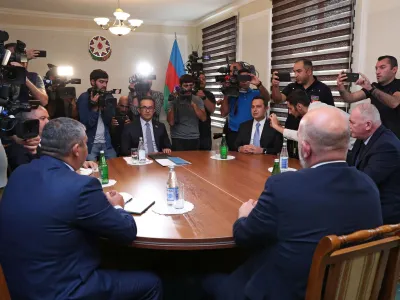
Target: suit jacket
{"x": 286, "y": 225}
{"x": 270, "y": 138}
{"x": 18, "y": 155}
{"x": 380, "y": 160}
{"x": 132, "y": 132}
{"x": 49, "y": 229}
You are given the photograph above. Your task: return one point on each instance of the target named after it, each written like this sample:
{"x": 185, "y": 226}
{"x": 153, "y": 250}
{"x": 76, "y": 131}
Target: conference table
{"x": 217, "y": 188}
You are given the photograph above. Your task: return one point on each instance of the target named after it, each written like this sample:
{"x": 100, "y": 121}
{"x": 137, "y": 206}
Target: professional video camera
{"x": 9, "y": 125}
{"x": 55, "y": 83}
{"x": 230, "y": 82}
{"x": 142, "y": 84}
{"x": 106, "y": 98}
{"x": 194, "y": 68}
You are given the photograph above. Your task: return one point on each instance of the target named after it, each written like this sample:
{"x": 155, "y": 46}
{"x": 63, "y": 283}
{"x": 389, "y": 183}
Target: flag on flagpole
{"x": 175, "y": 70}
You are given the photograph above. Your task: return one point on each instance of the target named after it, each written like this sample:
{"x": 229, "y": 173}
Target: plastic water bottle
{"x": 284, "y": 158}
{"x": 103, "y": 168}
{"x": 172, "y": 187}
{"x": 141, "y": 151}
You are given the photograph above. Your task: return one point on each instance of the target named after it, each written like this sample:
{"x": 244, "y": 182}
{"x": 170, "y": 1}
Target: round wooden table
{"x": 216, "y": 188}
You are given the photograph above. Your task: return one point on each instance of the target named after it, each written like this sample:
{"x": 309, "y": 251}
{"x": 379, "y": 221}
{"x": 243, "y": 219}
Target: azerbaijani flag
{"x": 175, "y": 70}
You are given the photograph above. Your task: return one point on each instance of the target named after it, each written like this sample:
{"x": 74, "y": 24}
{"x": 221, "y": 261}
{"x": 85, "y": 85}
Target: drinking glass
{"x": 180, "y": 203}
{"x": 135, "y": 155}
{"x": 216, "y": 147}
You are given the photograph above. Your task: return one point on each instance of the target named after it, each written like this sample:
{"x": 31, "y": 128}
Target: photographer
{"x": 184, "y": 112}
{"x": 97, "y": 119}
{"x": 209, "y": 104}
{"x": 123, "y": 117}
{"x": 34, "y": 86}
{"x": 144, "y": 91}
{"x": 239, "y": 109}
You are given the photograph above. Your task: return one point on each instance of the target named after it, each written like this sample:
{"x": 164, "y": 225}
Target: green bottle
{"x": 103, "y": 168}
{"x": 223, "y": 150}
{"x": 276, "y": 169}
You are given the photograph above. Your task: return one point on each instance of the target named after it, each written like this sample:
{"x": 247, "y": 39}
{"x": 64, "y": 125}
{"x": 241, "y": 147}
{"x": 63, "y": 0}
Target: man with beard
{"x": 123, "y": 117}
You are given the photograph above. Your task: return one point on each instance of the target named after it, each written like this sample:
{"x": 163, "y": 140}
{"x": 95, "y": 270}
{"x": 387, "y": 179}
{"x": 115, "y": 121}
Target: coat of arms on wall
{"x": 100, "y": 48}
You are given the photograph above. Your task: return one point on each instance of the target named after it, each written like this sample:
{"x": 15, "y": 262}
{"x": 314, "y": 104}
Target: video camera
{"x": 58, "y": 84}
{"x": 9, "y": 125}
{"x": 230, "y": 82}
{"x": 194, "y": 68}
{"x": 106, "y": 98}
{"x": 142, "y": 84}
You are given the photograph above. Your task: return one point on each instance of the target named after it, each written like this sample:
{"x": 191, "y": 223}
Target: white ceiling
{"x": 154, "y": 10}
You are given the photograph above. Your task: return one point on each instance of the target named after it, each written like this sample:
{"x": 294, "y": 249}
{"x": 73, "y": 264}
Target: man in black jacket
{"x": 154, "y": 134}
{"x": 256, "y": 136}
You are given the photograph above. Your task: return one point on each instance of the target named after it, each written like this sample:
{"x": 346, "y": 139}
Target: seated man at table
{"x": 377, "y": 154}
{"x": 154, "y": 133}
{"x": 18, "y": 154}
{"x": 51, "y": 223}
{"x": 256, "y": 136}
{"x": 289, "y": 219}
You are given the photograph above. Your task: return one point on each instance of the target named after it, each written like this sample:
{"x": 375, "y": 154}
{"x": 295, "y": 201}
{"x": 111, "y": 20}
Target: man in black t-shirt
{"x": 384, "y": 94}
{"x": 306, "y": 81}
{"x": 209, "y": 105}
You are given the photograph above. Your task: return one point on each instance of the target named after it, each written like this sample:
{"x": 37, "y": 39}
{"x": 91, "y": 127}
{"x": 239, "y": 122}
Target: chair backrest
{"x": 4, "y": 294}
{"x": 366, "y": 269}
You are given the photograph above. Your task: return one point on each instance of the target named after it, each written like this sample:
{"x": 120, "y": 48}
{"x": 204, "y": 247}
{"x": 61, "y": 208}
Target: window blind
{"x": 219, "y": 40}
{"x": 319, "y": 30}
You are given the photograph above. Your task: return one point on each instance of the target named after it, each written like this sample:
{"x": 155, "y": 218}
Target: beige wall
{"x": 253, "y": 33}
{"x": 66, "y": 43}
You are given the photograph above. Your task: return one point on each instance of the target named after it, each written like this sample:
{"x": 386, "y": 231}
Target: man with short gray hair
{"x": 377, "y": 153}
{"x": 51, "y": 219}
{"x": 296, "y": 210}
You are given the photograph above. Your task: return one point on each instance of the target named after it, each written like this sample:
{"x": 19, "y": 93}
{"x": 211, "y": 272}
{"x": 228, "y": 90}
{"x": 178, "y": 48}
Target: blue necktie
{"x": 256, "y": 138}
{"x": 149, "y": 139}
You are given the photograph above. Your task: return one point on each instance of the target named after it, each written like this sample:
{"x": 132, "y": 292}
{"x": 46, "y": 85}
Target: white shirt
{"x": 144, "y": 128}
{"x": 328, "y": 162}
{"x": 253, "y": 130}
{"x": 367, "y": 140}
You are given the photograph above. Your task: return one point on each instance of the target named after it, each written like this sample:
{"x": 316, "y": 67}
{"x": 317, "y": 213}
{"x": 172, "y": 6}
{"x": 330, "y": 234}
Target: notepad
{"x": 165, "y": 162}
{"x": 179, "y": 161}
{"x": 135, "y": 205}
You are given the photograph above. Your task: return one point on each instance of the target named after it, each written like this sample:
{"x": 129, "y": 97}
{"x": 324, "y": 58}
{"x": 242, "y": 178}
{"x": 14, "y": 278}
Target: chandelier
{"x": 120, "y": 26}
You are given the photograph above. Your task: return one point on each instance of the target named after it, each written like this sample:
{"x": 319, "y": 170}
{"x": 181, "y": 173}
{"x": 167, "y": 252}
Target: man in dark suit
{"x": 377, "y": 153}
{"x": 50, "y": 225}
{"x": 297, "y": 209}
{"x": 154, "y": 133}
{"x": 124, "y": 117}
{"x": 256, "y": 136}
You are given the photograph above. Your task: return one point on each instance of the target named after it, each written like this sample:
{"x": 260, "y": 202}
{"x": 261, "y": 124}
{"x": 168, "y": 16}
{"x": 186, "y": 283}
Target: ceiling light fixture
{"x": 119, "y": 27}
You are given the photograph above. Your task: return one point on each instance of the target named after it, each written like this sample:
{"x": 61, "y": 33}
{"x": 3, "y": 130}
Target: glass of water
{"x": 180, "y": 203}
{"x": 135, "y": 155}
{"x": 216, "y": 147}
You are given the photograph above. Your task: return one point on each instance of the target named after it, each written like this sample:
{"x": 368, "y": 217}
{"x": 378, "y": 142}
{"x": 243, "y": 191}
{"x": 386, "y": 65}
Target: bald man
{"x": 296, "y": 210}
{"x": 377, "y": 154}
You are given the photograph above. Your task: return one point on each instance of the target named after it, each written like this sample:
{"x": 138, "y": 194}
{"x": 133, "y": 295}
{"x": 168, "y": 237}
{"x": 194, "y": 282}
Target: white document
{"x": 165, "y": 162}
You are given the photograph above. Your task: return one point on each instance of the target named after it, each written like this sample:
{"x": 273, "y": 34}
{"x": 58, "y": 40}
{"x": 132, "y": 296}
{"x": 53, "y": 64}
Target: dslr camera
{"x": 194, "y": 68}
{"x": 230, "y": 82}
{"x": 9, "y": 75}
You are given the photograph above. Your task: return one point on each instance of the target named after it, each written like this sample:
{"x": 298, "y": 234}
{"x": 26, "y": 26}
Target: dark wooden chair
{"x": 364, "y": 265}
{"x": 4, "y": 294}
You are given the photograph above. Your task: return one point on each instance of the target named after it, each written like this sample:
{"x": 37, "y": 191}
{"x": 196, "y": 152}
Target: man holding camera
{"x": 239, "y": 108}
{"x": 96, "y": 117}
{"x": 384, "y": 94}
{"x": 140, "y": 87}
{"x": 34, "y": 86}
{"x": 122, "y": 118}
{"x": 184, "y": 112}
{"x": 209, "y": 104}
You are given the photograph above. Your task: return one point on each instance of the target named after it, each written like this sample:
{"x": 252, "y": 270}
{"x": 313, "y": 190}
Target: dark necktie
{"x": 360, "y": 152}
{"x": 149, "y": 139}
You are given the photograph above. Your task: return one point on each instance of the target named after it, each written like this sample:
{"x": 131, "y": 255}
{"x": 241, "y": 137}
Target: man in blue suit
{"x": 51, "y": 219}
{"x": 297, "y": 209}
{"x": 377, "y": 153}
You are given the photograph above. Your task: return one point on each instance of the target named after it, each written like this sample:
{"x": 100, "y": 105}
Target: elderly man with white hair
{"x": 377, "y": 153}
{"x": 297, "y": 209}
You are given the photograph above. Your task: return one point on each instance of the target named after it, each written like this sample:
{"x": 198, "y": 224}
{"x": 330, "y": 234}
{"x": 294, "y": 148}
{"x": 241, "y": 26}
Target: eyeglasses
{"x": 148, "y": 108}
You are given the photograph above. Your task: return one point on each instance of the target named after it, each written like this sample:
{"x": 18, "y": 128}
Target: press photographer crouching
{"x": 140, "y": 87}
{"x": 239, "y": 107}
{"x": 184, "y": 112}
{"x": 122, "y": 118}
{"x": 96, "y": 107}
{"x": 34, "y": 87}
{"x": 209, "y": 104}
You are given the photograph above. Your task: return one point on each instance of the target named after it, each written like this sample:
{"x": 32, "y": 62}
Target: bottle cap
{"x": 101, "y": 151}
{"x": 223, "y": 134}
{"x": 276, "y": 160}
